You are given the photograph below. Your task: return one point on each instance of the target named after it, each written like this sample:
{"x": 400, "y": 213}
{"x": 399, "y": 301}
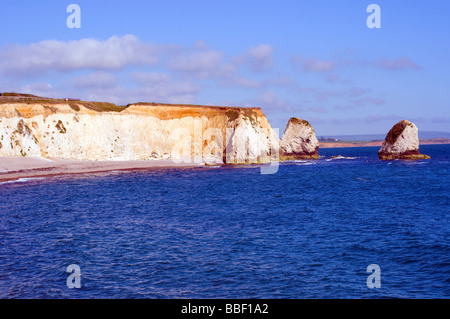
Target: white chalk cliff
{"x": 142, "y": 131}
{"x": 401, "y": 142}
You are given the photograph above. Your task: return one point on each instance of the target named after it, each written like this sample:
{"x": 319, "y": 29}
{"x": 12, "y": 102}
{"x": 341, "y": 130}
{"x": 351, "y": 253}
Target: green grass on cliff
{"x": 75, "y": 105}
{"x": 248, "y": 113}
{"x": 296, "y": 120}
{"x": 11, "y": 97}
{"x": 251, "y": 115}
{"x": 232, "y": 115}
{"x": 102, "y": 106}
{"x": 13, "y": 94}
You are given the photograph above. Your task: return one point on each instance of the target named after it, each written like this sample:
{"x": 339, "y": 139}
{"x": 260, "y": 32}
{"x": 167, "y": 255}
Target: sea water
{"x": 309, "y": 231}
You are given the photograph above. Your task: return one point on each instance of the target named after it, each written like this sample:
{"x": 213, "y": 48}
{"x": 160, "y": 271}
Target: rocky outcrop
{"x": 142, "y": 131}
{"x": 299, "y": 141}
{"x": 401, "y": 142}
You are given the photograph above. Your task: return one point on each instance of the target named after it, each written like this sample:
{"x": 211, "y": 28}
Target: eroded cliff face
{"x": 299, "y": 141}
{"x": 141, "y": 131}
{"x": 401, "y": 142}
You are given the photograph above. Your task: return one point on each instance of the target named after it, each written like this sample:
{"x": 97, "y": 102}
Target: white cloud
{"x": 168, "y": 92}
{"x": 113, "y": 53}
{"x": 102, "y": 86}
{"x": 199, "y": 61}
{"x": 261, "y": 57}
{"x": 41, "y": 89}
{"x": 357, "y": 91}
{"x": 270, "y": 101}
{"x": 281, "y": 81}
{"x": 152, "y": 87}
{"x": 317, "y": 109}
{"x": 373, "y": 118}
{"x": 242, "y": 82}
{"x": 332, "y": 78}
{"x": 150, "y": 78}
{"x": 315, "y": 65}
{"x": 252, "y": 83}
{"x": 173, "y": 92}
{"x": 402, "y": 63}
{"x": 368, "y": 100}
{"x": 258, "y": 58}
{"x": 93, "y": 80}
{"x": 202, "y": 63}
{"x": 160, "y": 87}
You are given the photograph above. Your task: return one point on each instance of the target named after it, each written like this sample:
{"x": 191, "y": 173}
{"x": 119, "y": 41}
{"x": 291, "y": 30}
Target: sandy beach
{"x": 15, "y": 168}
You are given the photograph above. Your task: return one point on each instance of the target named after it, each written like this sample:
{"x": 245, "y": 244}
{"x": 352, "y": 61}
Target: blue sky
{"x": 316, "y": 60}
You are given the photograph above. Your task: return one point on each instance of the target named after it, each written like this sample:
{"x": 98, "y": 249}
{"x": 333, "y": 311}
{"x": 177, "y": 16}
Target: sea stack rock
{"x": 299, "y": 141}
{"x": 402, "y": 142}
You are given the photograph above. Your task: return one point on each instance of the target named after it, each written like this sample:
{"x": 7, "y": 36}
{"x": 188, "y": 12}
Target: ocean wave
{"x": 416, "y": 163}
{"x": 305, "y": 163}
{"x": 340, "y": 157}
{"x": 22, "y": 180}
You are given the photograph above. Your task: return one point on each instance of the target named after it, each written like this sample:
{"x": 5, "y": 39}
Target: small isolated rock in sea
{"x": 402, "y": 142}
{"x": 299, "y": 141}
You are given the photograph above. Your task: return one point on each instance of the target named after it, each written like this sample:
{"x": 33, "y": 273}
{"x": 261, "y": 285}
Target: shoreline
{"x": 16, "y": 168}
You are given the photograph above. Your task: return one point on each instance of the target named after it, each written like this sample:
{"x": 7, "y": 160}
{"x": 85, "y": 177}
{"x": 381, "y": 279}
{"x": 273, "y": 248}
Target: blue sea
{"x": 309, "y": 231}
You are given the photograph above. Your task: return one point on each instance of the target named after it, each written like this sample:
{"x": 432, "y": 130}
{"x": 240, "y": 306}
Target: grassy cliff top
{"x": 193, "y": 105}
{"x": 296, "y": 120}
{"x": 12, "y": 97}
